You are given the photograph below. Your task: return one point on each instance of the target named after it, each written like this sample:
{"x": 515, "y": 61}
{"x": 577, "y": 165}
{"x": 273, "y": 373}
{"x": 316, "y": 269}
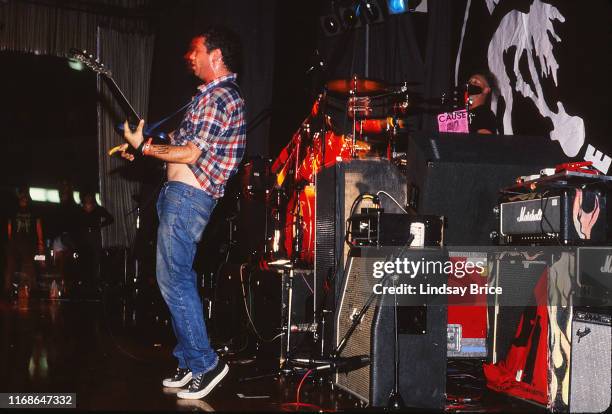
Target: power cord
{"x": 246, "y": 308}
{"x": 363, "y": 196}
{"x": 393, "y": 199}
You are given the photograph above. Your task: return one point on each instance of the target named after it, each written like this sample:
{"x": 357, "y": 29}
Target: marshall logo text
{"x": 529, "y": 215}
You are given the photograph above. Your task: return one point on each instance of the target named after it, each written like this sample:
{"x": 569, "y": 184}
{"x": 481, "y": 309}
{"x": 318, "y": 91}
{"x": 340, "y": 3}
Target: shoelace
{"x": 195, "y": 384}
{"x": 180, "y": 373}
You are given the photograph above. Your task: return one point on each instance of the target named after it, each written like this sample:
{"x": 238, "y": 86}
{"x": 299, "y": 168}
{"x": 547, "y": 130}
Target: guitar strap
{"x": 228, "y": 84}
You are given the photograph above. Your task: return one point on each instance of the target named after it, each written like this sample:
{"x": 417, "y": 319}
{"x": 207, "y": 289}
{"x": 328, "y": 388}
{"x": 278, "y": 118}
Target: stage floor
{"x": 112, "y": 349}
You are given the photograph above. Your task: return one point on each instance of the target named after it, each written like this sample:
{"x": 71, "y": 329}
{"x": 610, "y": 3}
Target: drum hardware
{"x": 359, "y": 105}
{"x": 356, "y": 87}
{"x": 354, "y": 93}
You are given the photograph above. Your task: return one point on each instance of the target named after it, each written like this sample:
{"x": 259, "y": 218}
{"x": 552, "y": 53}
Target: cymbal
{"x": 363, "y": 87}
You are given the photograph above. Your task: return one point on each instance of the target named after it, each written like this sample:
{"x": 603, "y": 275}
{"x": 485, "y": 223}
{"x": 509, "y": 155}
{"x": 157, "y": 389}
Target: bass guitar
{"x": 150, "y": 130}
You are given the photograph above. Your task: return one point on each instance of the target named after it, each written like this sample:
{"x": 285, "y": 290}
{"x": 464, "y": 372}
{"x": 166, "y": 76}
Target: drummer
{"x": 480, "y": 87}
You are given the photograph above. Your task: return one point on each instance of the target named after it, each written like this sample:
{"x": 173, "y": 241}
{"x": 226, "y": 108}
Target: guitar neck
{"x": 123, "y": 101}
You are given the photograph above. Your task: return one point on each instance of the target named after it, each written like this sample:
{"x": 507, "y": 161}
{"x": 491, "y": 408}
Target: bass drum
{"x": 300, "y": 226}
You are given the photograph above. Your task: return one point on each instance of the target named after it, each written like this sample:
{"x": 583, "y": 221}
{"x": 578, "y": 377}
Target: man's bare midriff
{"x": 182, "y": 173}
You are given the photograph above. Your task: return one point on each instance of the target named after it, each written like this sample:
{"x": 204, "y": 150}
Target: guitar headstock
{"x": 88, "y": 60}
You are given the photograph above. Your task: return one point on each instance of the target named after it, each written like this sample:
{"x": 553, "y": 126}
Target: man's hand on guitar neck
{"x": 134, "y": 139}
{"x": 177, "y": 154}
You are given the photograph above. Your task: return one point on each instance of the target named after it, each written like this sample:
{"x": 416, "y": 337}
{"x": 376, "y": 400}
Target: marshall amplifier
{"x": 568, "y": 216}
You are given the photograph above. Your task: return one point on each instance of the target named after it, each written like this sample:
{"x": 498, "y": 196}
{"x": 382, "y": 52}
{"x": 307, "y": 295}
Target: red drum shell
{"x": 306, "y": 201}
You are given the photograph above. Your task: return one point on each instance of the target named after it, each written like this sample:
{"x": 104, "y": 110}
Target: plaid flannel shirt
{"x": 215, "y": 123}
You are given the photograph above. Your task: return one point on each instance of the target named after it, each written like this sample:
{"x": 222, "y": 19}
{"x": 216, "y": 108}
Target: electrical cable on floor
{"x": 246, "y": 308}
{"x": 297, "y": 397}
{"x": 295, "y": 406}
{"x": 215, "y": 321}
{"x": 110, "y": 331}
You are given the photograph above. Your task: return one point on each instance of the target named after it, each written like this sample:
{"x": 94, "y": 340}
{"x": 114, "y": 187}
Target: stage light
{"x": 330, "y": 25}
{"x": 349, "y": 16}
{"x": 403, "y": 6}
{"x": 44, "y": 195}
{"x": 47, "y": 195}
{"x": 372, "y": 12}
{"x": 397, "y": 6}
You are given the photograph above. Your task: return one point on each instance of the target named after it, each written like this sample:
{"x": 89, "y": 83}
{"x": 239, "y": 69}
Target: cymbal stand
{"x": 395, "y": 402}
{"x": 353, "y": 95}
{"x": 322, "y": 109}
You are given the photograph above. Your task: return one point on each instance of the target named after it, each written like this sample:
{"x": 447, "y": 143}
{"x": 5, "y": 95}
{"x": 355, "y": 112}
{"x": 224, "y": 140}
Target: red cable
{"x": 286, "y": 407}
{"x": 298, "y": 404}
{"x": 300, "y": 386}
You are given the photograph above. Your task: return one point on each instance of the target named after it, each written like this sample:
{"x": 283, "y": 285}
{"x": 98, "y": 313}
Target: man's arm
{"x": 178, "y": 154}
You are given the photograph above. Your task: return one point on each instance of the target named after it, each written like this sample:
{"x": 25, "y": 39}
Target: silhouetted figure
{"x": 91, "y": 219}
{"x": 65, "y": 233}
{"x": 25, "y": 240}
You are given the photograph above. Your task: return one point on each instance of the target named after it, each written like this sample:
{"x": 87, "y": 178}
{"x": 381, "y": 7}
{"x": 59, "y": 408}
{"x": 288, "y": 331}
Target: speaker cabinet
{"x": 337, "y": 187}
{"x": 517, "y": 276}
{"x": 590, "y": 385}
{"x": 559, "y": 356}
{"x": 459, "y": 176}
{"x": 421, "y": 332}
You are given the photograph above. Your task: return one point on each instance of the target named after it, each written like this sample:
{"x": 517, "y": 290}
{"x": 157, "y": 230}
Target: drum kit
{"x": 277, "y": 200}
{"x": 376, "y": 112}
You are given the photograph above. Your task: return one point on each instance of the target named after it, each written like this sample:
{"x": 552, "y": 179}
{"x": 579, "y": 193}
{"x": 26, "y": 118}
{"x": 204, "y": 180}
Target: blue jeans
{"x": 183, "y": 214}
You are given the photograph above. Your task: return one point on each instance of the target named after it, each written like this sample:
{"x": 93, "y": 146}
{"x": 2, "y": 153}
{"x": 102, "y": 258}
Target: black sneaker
{"x": 180, "y": 378}
{"x": 203, "y": 384}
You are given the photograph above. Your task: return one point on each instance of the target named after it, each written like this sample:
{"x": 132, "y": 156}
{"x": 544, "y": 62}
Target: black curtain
{"x": 173, "y": 85}
{"x": 408, "y": 47}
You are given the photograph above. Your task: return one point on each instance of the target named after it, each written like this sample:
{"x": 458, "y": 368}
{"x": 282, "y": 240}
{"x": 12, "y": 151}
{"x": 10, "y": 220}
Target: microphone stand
{"x": 335, "y": 360}
{"x": 396, "y": 402}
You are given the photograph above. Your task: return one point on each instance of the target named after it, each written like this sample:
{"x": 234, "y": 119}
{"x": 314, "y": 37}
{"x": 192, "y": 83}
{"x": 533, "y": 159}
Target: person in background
{"x": 25, "y": 240}
{"x": 91, "y": 219}
{"x": 65, "y": 227}
{"x": 480, "y": 87}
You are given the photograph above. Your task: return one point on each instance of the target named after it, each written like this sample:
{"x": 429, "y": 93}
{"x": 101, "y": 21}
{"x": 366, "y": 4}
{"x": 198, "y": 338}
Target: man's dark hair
{"x": 219, "y": 37}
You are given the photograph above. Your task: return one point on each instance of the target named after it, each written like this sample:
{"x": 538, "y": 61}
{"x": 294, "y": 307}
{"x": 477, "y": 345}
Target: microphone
{"x": 474, "y": 89}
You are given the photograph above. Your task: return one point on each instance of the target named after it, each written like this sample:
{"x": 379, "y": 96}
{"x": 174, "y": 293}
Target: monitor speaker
{"x": 421, "y": 333}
